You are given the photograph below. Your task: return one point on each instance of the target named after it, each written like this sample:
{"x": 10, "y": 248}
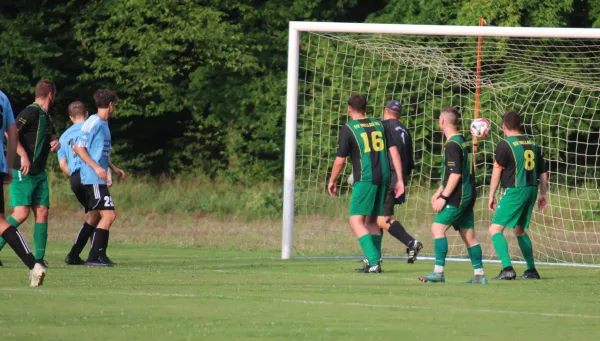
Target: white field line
{"x": 341, "y": 304}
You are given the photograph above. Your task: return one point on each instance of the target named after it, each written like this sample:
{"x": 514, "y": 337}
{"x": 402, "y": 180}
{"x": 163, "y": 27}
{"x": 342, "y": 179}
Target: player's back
{"x": 370, "y": 162}
{"x": 465, "y": 192}
{"x": 397, "y": 135}
{"x": 96, "y": 138}
{"x": 527, "y": 162}
{"x": 8, "y": 118}
{"x": 67, "y": 141}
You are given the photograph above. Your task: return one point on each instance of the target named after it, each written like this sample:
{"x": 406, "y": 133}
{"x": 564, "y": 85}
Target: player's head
{"x": 511, "y": 122}
{"x": 45, "y": 89}
{"x": 393, "y": 109}
{"x": 357, "y": 105}
{"x": 77, "y": 112}
{"x": 105, "y": 99}
{"x": 449, "y": 118}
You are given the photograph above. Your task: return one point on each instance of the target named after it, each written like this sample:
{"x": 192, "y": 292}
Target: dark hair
{"x": 77, "y": 109}
{"x": 452, "y": 114}
{"x": 512, "y": 120}
{"x": 358, "y": 103}
{"x": 103, "y": 98}
{"x": 44, "y": 87}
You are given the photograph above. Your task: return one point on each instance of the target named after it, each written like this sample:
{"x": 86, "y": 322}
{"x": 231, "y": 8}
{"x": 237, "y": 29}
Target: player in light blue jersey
{"x": 71, "y": 164}
{"x": 93, "y": 147}
{"x": 11, "y": 235}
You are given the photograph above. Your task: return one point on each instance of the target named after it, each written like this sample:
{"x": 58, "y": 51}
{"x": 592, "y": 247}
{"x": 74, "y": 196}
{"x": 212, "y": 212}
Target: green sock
{"x": 14, "y": 223}
{"x": 368, "y": 247}
{"x": 527, "y": 250}
{"x": 476, "y": 256}
{"x": 377, "y": 239}
{"x": 440, "y": 246}
{"x": 40, "y": 238}
{"x": 501, "y": 247}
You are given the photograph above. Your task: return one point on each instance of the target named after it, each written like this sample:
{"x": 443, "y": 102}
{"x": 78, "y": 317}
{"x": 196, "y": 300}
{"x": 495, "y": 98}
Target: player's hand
{"x": 25, "y": 165}
{"x": 399, "y": 189}
{"x": 54, "y": 145}
{"x": 101, "y": 173}
{"x": 332, "y": 189}
{"x": 438, "y": 204}
{"x": 8, "y": 177}
{"x": 434, "y": 198}
{"x": 542, "y": 202}
{"x": 120, "y": 173}
{"x": 492, "y": 203}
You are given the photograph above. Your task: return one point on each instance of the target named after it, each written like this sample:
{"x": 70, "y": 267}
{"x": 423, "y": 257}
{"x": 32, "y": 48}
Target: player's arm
{"x": 342, "y": 153}
{"x": 22, "y": 121}
{"x": 543, "y": 176}
{"x": 502, "y": 159}
{"x": 453, "y": 159}
{"x": 116, "y": 169}
{"x": 62, "y": 161}
{"x": 80, "y": 149}
{"x": 397, "y": 162}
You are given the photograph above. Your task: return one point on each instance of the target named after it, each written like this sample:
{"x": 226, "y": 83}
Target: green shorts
{"x": 515, "y": 207}
{"x": 459, "y": 218}
{"x": 368, "y": 198}
{"x": 29, "y": 190}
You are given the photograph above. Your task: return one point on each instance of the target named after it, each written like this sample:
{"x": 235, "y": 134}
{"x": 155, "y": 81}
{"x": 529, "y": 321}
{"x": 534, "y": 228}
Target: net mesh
{"x": 554, "y": 83}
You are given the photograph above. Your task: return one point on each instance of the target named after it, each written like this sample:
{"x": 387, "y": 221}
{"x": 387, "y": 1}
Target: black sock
{"x": 99, "y": 242}
{"x": 16, "y": 241}
{"x": 397, "y": 230}
{"x": 105, "y": 246}
{"x": 84, "y": 234}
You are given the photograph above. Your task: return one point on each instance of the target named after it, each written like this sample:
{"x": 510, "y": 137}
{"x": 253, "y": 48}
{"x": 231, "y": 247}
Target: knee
{"x": 495, "y": 229}
{"x": 382, "y": 222}
{"x": 41, "y": 213}
{"x": 519, "y": 231}
{"x": 20, "y": 214}
{"x": 109, "y": 216}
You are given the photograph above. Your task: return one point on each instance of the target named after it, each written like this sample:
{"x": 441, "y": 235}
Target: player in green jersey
{"x": 520, "y": 168}
{"x": 454, "y": 200}
{"x": 29, "y": 188}
{"x": 364, "y": 140}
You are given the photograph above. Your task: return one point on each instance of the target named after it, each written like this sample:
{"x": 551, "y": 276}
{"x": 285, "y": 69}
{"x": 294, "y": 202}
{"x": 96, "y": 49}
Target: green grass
{"x": 190, "y": 293}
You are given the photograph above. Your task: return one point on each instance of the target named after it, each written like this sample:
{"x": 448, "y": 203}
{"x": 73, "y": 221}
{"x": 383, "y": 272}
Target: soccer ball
{"x": 480, "y": 127}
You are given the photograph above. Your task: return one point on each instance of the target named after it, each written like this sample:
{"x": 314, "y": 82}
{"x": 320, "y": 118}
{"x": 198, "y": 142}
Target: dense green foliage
{"x": 202, "y": 83}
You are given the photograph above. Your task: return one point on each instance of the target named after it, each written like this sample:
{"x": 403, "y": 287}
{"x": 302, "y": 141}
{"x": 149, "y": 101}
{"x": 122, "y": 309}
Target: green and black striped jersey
{"x": 458, "y": 159}
{"x": 521, "y": 160}
{"x": 364, "y": 141}
{"x": 35, "y": 131}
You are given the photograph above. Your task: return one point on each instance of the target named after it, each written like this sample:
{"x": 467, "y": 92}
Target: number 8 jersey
{"x": 364, "y": 141}
{"x": 521, "y": 160}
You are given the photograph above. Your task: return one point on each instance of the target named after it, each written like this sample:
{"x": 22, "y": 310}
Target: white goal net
{"x": 553, "y": 82}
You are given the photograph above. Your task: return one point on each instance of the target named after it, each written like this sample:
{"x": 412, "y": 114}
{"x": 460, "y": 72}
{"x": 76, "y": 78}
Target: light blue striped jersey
{"x": 67, "y": 142}
{"x": 7, "y": 117}
{"x": 95, "y": 137}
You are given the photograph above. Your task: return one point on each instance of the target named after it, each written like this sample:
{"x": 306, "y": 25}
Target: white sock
{"x": 438, "y": 269}
{"x": 479, "y": 272}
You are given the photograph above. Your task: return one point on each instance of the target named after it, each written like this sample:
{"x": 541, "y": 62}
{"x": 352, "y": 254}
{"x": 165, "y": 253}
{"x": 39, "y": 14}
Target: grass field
{"x": 191, "y": 293}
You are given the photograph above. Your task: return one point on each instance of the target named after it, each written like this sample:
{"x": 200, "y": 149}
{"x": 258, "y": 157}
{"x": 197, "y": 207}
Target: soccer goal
{"x": 550, "y": 75}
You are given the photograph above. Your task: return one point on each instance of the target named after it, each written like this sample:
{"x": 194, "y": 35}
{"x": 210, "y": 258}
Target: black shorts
{"x": 97, "y": 197}
{"x": 2, "y": 193}
{"x": 78, "y": 189}
{"x": 390, "y": 197}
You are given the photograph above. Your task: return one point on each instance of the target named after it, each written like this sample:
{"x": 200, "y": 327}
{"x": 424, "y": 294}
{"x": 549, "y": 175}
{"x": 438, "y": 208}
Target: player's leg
{"x": 362, "y": 205}
{"x": 85, "y": 233}
{"x": 40, "y": 198}
{"x": 440, "y": 245}
{"x": 101, "y": 201}
{"x": 16, "y": 241}
{"x": 507, "y": 214}
{"x": 20, "y": 199}
{"x": 475, "y": 254}
{"x": 87, "y": 228}
{"x": 523, "y": 238}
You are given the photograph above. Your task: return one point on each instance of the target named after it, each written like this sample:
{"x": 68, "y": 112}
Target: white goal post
{"x": 335, "y": 34}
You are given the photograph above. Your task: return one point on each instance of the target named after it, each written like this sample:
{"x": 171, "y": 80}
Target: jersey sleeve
{"x": 542, "y": 165}
{"x": 9, "y": 114}
{"x": 344, "y": 142}
{"x": 25, "y": 117}
{"x": 503, "y": 154}
{"x": 453, "y": 158}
